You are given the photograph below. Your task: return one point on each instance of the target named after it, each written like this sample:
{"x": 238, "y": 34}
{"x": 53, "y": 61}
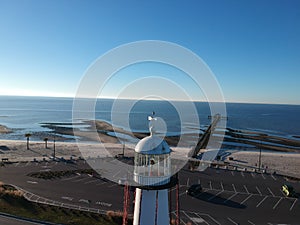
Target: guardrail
{"x": 38, "y": 199}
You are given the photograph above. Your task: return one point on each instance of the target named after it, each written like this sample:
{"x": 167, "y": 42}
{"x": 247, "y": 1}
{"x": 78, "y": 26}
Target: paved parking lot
{"x": 228, "y": 197}
{"x": 238, "y": 198}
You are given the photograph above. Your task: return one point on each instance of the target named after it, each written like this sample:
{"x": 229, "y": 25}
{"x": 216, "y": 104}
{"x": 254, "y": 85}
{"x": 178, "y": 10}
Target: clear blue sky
{"x": 253, "y": 47}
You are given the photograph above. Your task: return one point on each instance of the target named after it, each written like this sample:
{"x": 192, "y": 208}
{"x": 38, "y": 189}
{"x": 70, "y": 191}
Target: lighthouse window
{"x": 152, "y": 161}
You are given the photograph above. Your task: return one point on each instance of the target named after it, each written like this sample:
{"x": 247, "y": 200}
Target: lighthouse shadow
{"x": 215, "y": 199}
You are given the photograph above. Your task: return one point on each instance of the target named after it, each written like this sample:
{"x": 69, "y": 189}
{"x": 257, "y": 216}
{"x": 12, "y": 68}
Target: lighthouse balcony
{"x": 151, "y": 180}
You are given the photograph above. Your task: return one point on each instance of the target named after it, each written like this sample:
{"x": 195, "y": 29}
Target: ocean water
{"x": 27, "y": 114}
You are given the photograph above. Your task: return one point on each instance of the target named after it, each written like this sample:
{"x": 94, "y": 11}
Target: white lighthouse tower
{"x": 152, "y": 173}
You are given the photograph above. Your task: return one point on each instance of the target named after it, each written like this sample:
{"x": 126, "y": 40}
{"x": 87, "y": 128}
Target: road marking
{"x": 101, "y": 183}
{"x": 204, "y": 214}
{"x": 210, "y": 185}
{"x": 69, "y": 178}
{"x": 274, "y": 207}
{"x": 293, "y": 204}
{"x": 273, "y": 177}
{"x": 271, "y": 192}
{"x": 199, "y": 181}
{"x": 67, "y": 198}
{"x": 232, "y": 173}
{"x": 92, "y": 181}
{"x": 258, "y": 191}
{"x": 232, "y": 221}
{"x": 246, "y": 199}
{"x": 198, "y": 220}
{"x": 246, "y": 189}
{"x": 211, "y": 198}
{"x": 104, "y": 204}
{"x": 263, "y": 176}
{"x": 242, "y": 174}
{"x": 31, "y": 182}
{"x": 261, "y": 201}
{"x": 187, "y": 182}
{"x": 222, "y": 186}
{"x": 233, "y": 187}
{"x": 252, "y": 174}
{"x": 230, "y": 197}
{"x": 85, "y": 201}
{"x": 186, "y": 215}
{"x": 113, "y": 185}
{"x": 251, "y": 222}
{"x": 82, "y": 179}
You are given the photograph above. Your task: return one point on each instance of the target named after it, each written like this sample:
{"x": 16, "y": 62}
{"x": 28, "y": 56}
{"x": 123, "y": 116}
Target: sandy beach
{"x": 16, "y": 151}
{"x": 287, "y": 163}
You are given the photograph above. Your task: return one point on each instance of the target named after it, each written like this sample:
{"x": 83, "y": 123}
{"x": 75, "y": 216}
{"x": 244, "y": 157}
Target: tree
{"x": 27, "y": 135}
{"x": 46, "y": 140}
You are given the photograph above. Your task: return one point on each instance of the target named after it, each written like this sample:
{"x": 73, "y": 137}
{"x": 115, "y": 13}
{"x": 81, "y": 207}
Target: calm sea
{"x": 26, "y": 114}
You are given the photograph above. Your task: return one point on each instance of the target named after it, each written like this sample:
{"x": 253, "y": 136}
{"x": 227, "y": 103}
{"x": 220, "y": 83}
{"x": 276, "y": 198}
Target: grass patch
{"x": 13, "y": 202}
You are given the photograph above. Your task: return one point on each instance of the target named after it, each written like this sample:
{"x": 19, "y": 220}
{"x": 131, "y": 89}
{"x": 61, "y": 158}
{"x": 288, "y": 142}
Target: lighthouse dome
{"x": 152, "y": 145}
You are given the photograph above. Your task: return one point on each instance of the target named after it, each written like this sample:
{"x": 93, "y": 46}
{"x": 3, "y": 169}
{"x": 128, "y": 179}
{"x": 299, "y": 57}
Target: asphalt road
{"x": 4, "y": 220}
{"x": 228, "y": 197}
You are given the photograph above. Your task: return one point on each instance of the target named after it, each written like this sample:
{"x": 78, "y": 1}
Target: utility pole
{"x": 123, "y": 149}
{"x": 259, "y": 158}
{"x": 54, "y": 148}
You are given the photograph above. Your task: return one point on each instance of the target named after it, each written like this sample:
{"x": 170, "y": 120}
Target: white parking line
{"x": 251, "y": 222}
{"x": 246, "y": 199}
{"x": 31, "y": 182}
{"x": 199, "y": 181}
{"x": 187, "y": 182}
{"x": 261, "y": 201}
{"x": 243, "y": 175}
{"x": 232, "y": 173}
{"x": 252, "y": 174}
{"x": 271, "y": 192}
{"x": 211, "y": 198}
{"x": 204, "y": 214}
{"x": 230, "y": 197}
{"x": 274, "y": 178}
{"x": 293, "y": 204}
{"x": 232, "y": 221}
{"x": 186, "y": 215}
{"x": 246, "y": 189}
{"x": 210, "y": 185}
{"x": 233, "y": 187}
{"x": 222, "y": 186}
{"x": 198, "y": 219}
{"x": 274, "y": 207}
{"x": 258, "y": 191}
{"x": 263, "y": 176}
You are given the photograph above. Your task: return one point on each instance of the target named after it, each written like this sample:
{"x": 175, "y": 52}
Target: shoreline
{"x": 107, "y": 133}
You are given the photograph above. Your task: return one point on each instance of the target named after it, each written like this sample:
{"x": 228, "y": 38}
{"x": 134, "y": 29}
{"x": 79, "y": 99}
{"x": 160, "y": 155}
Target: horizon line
{"x": 178, "y": 100}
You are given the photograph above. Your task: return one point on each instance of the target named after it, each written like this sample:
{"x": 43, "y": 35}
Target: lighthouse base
{"x": 151, "y": 207}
